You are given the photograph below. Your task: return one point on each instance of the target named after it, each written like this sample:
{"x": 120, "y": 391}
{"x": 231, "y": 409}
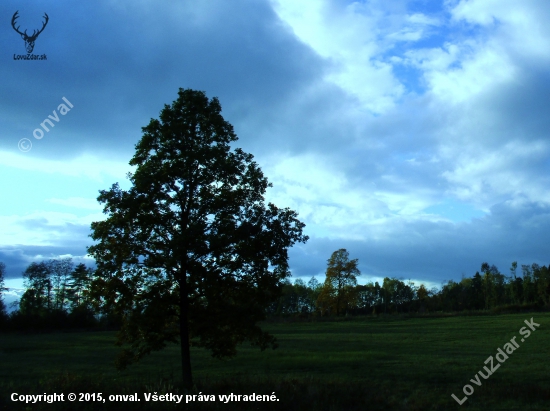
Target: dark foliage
{"x": 191, "y": 254}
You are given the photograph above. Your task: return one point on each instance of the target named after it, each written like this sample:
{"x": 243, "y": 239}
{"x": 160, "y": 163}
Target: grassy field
{"x": 391, "y": 363}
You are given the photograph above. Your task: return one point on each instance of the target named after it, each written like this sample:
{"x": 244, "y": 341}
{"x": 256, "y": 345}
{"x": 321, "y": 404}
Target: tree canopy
{"x": 338, "y": 291}
{"x": 37, "y": 299}
{"x": 191, "y": 253}
{"x": 2, "y": 289}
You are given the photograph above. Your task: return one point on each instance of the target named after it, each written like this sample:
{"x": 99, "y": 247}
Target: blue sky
{"x": 412, "y": 133}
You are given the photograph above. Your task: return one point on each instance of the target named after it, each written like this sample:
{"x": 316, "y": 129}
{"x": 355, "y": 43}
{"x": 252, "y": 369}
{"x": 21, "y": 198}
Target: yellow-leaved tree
{"x": 338, "y": 293}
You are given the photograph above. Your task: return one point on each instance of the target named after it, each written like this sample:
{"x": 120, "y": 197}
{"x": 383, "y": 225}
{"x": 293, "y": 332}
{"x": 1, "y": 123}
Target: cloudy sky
{"x": 413, "y": 133}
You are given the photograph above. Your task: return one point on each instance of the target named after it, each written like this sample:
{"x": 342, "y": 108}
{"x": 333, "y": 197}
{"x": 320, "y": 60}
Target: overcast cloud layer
{"x": 412, "y": 133}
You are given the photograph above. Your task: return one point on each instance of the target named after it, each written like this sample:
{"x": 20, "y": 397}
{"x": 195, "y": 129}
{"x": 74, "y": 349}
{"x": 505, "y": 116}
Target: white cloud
{"x": 417, "y": 26}
{"x": 520, "y": 25}
{"x": 422, "y": 19}
{"x": 43, "y": 228}
{"x": 77, "y": 202}
{"x": 352, "y": 39}
{"x": 493, "y": 176}
{"x": 85, "y": 165}
{"x": 332, "y": 206}
{"x": 457, "y": 73}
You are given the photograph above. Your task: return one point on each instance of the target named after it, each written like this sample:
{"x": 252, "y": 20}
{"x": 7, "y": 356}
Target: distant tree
{"x": 362, "y": 296}
{"x": 314, "y": 288}
{"x": 369, "y": 296}
{"x": 406, "y": 293}
{"x": 288, "y": 301}
{"x": 3, "y": 312}
{"x": 392, "y": 288}
{"x": 513, "y": 288}
{"x": 191, "y": 253}
{"x": 476, "y": 300}
{"x": 303, "y": 294}
{"x": 338, "y": 292}
{"x": 451, "y": 296}
{"x": 295, "y": 298}
{"x": 493, "y": 286}
{"x": 82, "y": 310}
{"x": 60, "y": 271}
{"x": 37, "y": 299}
{"x": 465, "y": 296}
{"x": 515, "y": 285}
{"x": 541, "y": 276}
{"x": 388, "y": 292}
{"x": 31, "y": 303}
{"x": 529, "y": 286}
{"x": 422, "y": 294}
{"x": 434, "y": 299}
{"x": 79, "y": 286}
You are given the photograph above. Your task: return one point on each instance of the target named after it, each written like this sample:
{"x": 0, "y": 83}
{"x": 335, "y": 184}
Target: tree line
{"x": 58, "y": 295}
{"x": 341, "y": 295}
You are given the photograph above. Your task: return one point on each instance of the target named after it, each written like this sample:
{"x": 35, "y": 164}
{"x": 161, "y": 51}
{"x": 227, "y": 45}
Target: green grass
{"x": 364, "y": 363}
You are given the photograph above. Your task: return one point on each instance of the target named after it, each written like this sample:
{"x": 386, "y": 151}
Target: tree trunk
{"x": 184, "y": 333}
{"x": 186, "y": 371}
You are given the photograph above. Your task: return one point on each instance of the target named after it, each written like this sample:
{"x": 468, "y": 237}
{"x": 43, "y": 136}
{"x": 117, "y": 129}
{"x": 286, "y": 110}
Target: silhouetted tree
{"x": 396, "y": 292}
{"x": 422, "y": 296}
{"x": 452, "y": 295}
{"x": 3, "y": 312}
{"x": 82, "y": 313}
{"x": 191, "y": 252}
{"x": 60, "y": 271}
{"x": 476, "y": 301}
{"x": 37, "y": 299}
{"x": 288, "y": 301}
{"x": 302, "y": 292}
{"x": 369, "y": 296}
{"x": 515, "y": 285}
{"x": 314, "y": 289}
{"x": 511, "y": 289}
{"x": 529, "y": 286}
{"x": 541, "y": 276}
{"x": 493, "y": 286}
{"x": 79, "y": 286}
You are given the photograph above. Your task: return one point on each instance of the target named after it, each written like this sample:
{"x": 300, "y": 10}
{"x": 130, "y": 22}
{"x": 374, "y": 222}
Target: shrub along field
{"x": 383, "y": 363}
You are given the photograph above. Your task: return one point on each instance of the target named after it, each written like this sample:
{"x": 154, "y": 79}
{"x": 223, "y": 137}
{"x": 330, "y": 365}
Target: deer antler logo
{"x": 29, "y": 40}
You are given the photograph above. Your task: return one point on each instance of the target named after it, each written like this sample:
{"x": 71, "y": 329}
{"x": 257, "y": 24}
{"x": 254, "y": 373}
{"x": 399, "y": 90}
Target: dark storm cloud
{"x": 18, "y": 257}
{"x": 67, "y": 239}
{"x": 68, "y": 231}
{"x": 522, "y": 108}
{"x": 119, "y": 64}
